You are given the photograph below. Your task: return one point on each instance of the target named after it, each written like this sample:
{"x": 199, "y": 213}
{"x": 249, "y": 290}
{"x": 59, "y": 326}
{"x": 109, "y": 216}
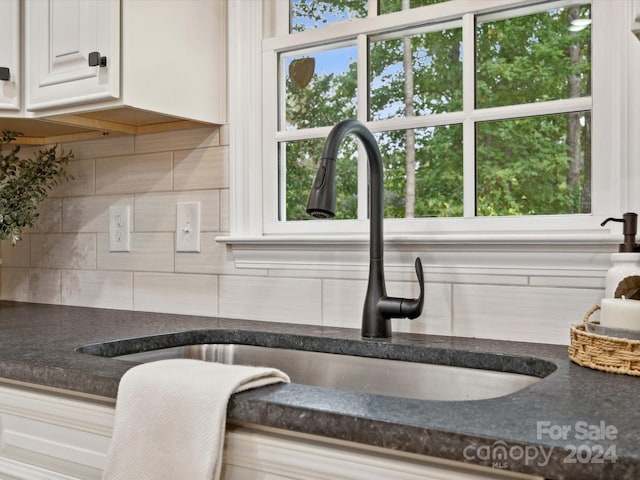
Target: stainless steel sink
{"x": 357, "y": 374}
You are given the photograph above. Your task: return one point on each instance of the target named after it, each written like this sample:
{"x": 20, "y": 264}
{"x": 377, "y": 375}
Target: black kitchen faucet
{"x": 378, "y": 307}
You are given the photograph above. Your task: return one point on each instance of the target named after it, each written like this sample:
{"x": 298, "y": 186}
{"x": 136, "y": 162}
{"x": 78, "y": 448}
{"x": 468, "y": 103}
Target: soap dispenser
{"x": 627, "y": 261}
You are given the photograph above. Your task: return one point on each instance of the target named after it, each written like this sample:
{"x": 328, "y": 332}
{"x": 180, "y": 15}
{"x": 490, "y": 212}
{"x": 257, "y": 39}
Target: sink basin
{"x": 356, "y": 374}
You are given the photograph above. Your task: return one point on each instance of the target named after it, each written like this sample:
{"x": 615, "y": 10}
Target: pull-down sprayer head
{"x": 322, "y": 198}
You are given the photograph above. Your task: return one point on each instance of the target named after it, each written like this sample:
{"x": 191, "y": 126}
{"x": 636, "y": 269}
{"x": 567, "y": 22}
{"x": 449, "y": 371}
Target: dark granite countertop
{"x": 597, "y": 411}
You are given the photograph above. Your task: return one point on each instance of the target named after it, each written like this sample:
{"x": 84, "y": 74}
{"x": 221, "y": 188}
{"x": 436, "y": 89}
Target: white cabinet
{"x": 60, "y": 35}
{"x": 279, "y": 455}
{"x": 128, "y": 67}
{"x": 9, "y": 57}
{"x": 51, "y": 436}
{"x": 46, "y": 436}
{"x": 172, "y": 60}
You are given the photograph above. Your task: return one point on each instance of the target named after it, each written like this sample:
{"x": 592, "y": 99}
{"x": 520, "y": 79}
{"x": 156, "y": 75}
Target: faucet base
{"x": 376, "y": 329}
{"x": 375, "y": 324}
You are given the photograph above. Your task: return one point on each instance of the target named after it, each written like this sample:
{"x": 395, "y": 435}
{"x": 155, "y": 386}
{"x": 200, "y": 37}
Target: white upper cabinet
{"x": 9, "y": 57}
{"x": 98, "y": 66}
{"x": 174, "y": 57}
{"x": 61, "y": 36}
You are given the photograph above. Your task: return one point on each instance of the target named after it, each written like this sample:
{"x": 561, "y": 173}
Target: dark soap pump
{"x": 629, "y": 230}
{"x": 627, "y": 261}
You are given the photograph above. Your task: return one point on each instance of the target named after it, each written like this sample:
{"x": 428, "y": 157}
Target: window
{"x": 484, "y": 118}
{"x": 426, "y": 99}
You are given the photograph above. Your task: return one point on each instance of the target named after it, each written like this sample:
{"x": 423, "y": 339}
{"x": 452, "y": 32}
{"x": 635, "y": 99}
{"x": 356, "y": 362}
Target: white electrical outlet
{"x": 119, "y": 232}
{"x": 188, "y": 227}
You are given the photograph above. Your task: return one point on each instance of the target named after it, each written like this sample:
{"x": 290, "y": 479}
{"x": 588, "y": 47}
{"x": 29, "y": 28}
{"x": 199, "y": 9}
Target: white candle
{"x": 620, "y": 313}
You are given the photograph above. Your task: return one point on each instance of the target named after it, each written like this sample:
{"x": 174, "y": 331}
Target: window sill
{"x": 583, "y": 254}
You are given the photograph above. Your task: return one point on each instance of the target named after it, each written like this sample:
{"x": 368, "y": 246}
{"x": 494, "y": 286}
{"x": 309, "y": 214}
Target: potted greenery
{"x": 24, "y": 183}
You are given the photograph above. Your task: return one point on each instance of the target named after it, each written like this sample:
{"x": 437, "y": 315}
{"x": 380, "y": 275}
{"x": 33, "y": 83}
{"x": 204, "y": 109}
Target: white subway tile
{"x": 30, "y": 151}
{"x": 534, "y": 314}
{"x": 102, "y": 147}
{"x": 63, "y": 250}
{"x": 149, "y": 172}
{"x": 177, "y": 140}
{"x": 49, "y": 216}
{"x": 15, "y": 255}
{"x": 150, "y": 252}
{"x": 202, "y": 168}
{"x": 211, "y": 258}
{"x": 91, "y": 214}
{"x": 214, "y": 257}
{"x": 591, "y": 281}
{"x": 270, "y": 299}
{"x": 330, "y": 273}
{"x": 100, "y": 289}
{"x": 224, "y": 210}
{"x": 83, "y": 182}
{"x": 476, "y": 279}
{"x": 156, "y": 212}
{"x": 176, "y": 293}
{"x": 437, "y": 312}
{"x": 342, "y": 302}
{"x": 224, "y": 134}
{"x": 30, "y": 285}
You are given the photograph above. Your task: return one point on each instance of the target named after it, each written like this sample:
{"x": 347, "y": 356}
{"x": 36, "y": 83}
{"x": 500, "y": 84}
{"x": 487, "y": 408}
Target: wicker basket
{"x": 601, "y": 352}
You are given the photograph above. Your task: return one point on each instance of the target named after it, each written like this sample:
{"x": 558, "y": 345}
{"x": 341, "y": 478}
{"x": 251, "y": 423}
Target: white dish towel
{"x": 171, "y": 416}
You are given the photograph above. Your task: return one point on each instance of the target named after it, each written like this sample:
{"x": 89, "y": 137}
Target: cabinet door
{"x": 10, "y": 55}
{"x": 59, "y": 36}
{"x": 251, "y": 454}
{"x": 45, "y": 436}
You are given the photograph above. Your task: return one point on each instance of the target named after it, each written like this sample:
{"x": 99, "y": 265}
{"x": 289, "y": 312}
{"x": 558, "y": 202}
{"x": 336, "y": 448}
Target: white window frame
{"x": 253, "y": 116}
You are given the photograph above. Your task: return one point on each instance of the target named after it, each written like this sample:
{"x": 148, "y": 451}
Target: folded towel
{"x": 171, "y": 415}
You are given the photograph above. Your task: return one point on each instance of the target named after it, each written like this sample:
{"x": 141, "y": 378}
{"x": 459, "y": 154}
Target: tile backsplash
{"x": 66, "y": 258}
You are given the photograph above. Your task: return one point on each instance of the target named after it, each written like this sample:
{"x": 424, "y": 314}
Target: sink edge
{"x": 508, "y": 363}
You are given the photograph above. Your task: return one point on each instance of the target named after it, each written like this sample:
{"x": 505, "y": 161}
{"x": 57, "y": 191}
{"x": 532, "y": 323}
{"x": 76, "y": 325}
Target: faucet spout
{"x": 378, "y": 307}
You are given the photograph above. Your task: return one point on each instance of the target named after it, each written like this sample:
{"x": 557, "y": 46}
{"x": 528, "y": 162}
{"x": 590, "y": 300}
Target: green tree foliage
{"x": 310, "y": 14}
{"x": 437, "y": 88}
{"x": 326, "y": 100}
{"x": 525, "y": 166}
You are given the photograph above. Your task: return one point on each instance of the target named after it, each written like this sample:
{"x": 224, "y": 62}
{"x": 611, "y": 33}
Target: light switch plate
{"x": 188, "y": 227}
{"x": 119, "y": 231}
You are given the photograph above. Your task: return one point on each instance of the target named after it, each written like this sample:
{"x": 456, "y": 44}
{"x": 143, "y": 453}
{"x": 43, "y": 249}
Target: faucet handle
{"x": 394, "y": 307}
{"x": 412, "y": 308}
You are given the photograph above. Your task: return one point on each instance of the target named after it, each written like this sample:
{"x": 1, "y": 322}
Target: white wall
{"x": 66, "y": 259}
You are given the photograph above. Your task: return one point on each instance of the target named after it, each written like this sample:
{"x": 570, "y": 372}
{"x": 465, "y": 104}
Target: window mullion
{"x": 269, "y": 159}
{"x": 279, "y": 19}
{"x": 363, "y": 115}
{"x": 373, "y": 8}
{"x": 552, "y": 107}
{"x": 468, "y": 105}
{"x": 282, "y": 182}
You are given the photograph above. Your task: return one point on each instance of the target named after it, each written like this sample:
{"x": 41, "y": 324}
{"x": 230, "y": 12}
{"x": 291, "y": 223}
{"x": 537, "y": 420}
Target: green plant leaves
{"x": 24, "y": 183}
